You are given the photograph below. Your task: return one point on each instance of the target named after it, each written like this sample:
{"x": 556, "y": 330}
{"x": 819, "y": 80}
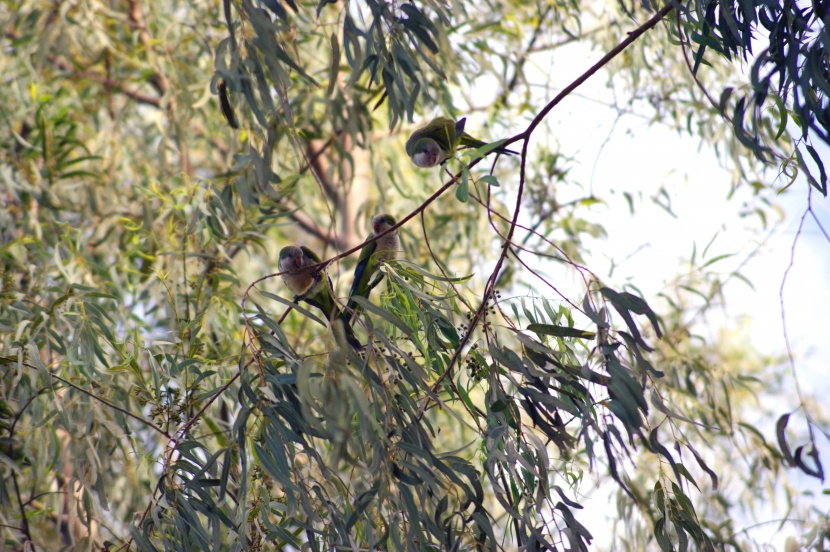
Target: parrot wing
{"x": 324, "y": 301}
{"x": 310, "y": 254}
{"x": 362, "y": 272}
{"x": 442, "y": 130}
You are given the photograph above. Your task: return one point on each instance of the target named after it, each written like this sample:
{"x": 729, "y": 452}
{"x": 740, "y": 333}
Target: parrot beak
{"x": 298, "y": 261}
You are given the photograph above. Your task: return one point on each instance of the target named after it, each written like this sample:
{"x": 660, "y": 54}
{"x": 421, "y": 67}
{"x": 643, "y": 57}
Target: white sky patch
{"x": 650, "y": 248}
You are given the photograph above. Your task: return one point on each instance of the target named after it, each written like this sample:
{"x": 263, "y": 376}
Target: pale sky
{"x": 655, "y": 247}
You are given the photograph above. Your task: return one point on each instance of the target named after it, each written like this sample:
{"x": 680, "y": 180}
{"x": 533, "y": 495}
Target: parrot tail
{"x": 350, "y": 310}
{"x": 348, "y": 332}
{"x": 468, "y": 141}
{"x": 459, "y": 126}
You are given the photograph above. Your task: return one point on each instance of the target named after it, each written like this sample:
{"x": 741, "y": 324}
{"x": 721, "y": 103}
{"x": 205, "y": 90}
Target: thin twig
{"x": 215, "y": 396}
{"x": 520, "y": 62}
{"x": 458, "y": 294}
{"x": 22, "y": 509}
{"x": 104, "y": 401}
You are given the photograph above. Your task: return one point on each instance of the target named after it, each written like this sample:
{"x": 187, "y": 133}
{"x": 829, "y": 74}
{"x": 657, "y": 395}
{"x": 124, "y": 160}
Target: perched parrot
{"x": 312, "y": 287}
{"x": 437, "y": 142}
{"x": 366, "y": 275}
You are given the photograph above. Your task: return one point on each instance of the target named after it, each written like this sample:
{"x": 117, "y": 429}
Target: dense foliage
{"x": 161, "y": 391}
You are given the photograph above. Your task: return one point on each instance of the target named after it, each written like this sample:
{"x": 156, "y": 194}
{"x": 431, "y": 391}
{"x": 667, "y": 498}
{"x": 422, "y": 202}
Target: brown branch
{"x": 110, "y": 84}
{"x": 311, "y": 227}
{"x": 565, "y": 41}
{"x": 313, "y": 158}
{"x": 316, "y": 166}
{"x": 25, "y": 529}
{"x": 631, "y": 38}
{"x": 692, "y": 72}
{"x": 534, "y": 232}
{"x": 790, "y": 356}
{"x": 120, "y": 87}
{"x": 158, "y": 79}
{"x": 65, "y": 66}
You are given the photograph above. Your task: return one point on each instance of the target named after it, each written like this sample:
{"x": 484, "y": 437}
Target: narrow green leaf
{"x": 422, "y": 34}
{"x": 780, "y": 432}
{"x": 560, "y": 331}
{"x": 276, "y": 8}
{"x": 383, "y": 313}
{"x": 704, "y": 467}
{"x": 425, "y": 274}
{"x": 482, "y": 151}
{"x": 462, "y": 190}
{"x": 662, "y": 537}
{"x": 490, "y": 180}
{"x": 685, "y": 473}
{"x": 716, "y": 259}
{"x": 293, "y": 305}
{"x": 361, "y": 503}
{"x": 822, "y": 184}
{"x": 334, "y": 67}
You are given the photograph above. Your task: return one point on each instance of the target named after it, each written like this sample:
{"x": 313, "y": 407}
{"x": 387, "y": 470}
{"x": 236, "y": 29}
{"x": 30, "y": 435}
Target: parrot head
{"x": 381, "y": 223}
{"x": 291, "y": 258}
{"x": 427, "y": 153}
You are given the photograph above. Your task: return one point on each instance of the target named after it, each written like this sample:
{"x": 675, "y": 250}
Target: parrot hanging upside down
{"x": 311, "y": 286}
{"x": 437, "y": 141}
{"x": 366, "y": 275}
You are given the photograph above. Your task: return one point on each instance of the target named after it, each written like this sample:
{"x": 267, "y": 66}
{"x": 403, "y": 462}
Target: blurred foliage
{"x": 157, "y": 395}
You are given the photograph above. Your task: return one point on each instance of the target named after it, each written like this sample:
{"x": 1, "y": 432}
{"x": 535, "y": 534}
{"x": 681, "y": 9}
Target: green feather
{"x": 440, "y": 129}
{"x": 438, "y": 140}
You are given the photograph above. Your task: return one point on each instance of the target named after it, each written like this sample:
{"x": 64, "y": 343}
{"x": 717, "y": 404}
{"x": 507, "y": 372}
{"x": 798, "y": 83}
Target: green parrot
{"x": 310, "y": 286}
{"x": 437, "y": 142}
{"x": 366, "y": 275}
